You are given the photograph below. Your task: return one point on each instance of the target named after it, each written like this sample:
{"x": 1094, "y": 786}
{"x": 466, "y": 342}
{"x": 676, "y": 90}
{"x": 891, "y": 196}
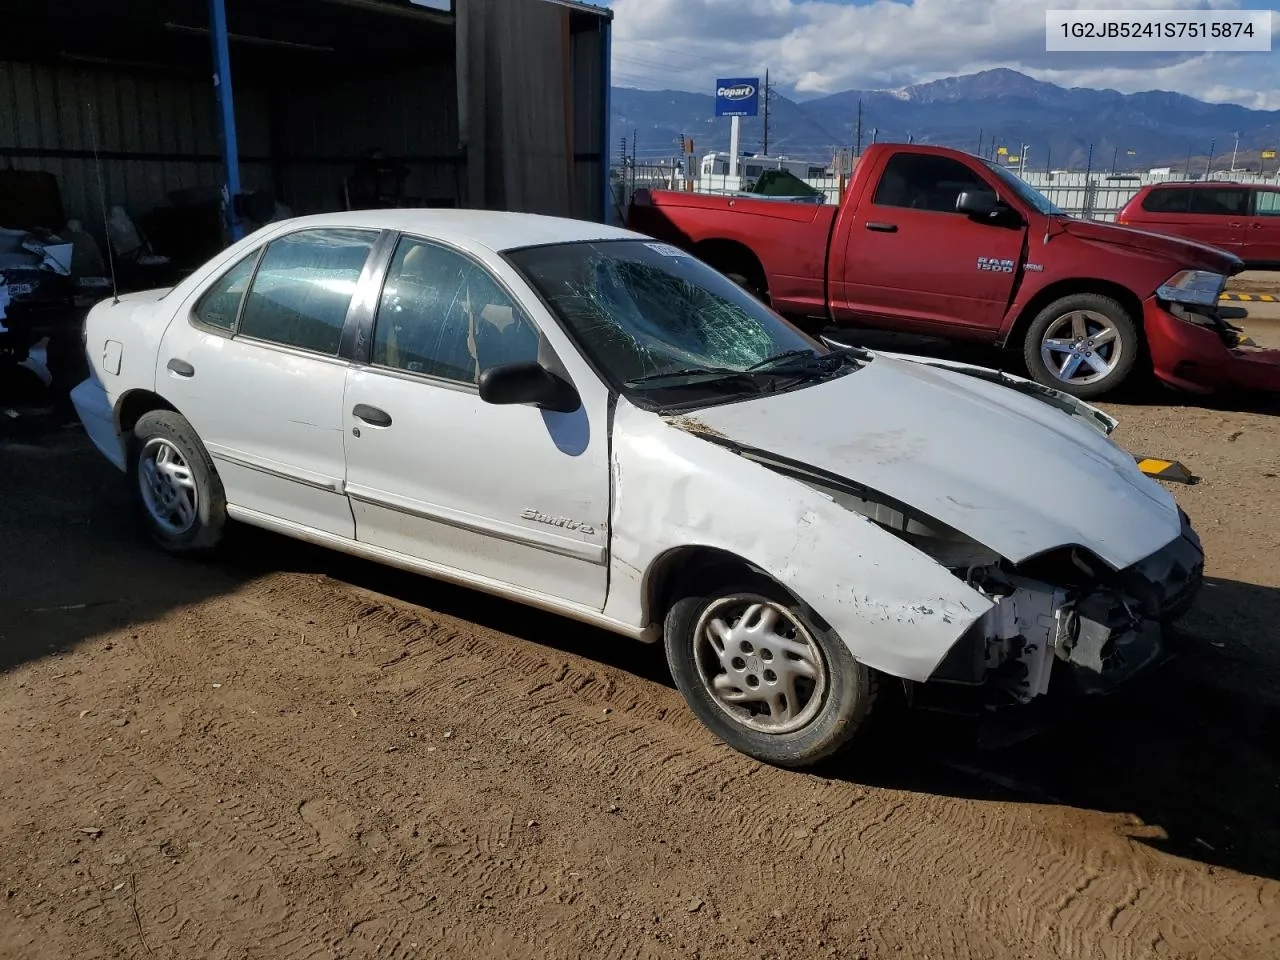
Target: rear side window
{"x": 304, "y": 286}
{"x": 1267, "y": 203}
{"x": 1167, "y": 201}
{"x": 922, "y": 182}
{"x": 220, "y": 305}
{"x": 1221, "y": 203}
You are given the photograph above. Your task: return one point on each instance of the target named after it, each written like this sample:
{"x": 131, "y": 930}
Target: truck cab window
{"x": 924, "y": 182}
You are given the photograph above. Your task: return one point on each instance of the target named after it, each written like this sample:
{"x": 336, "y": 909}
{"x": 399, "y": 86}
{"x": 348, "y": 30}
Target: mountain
{"x": 1058, "y": 123}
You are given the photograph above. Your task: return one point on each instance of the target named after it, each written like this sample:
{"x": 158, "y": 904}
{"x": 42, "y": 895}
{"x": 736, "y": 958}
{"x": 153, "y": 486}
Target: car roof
{"x": 1200, "y": 185}
{"x": 496, "y": 230}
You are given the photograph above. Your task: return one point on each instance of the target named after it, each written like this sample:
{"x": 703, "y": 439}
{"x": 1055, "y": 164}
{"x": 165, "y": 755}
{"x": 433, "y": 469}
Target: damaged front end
{"x": 1067, "y": 616}
{"x": 1063, "y": 615}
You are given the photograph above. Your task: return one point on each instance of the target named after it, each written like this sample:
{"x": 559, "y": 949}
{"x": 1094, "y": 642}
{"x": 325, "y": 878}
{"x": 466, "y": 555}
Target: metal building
{"x": 492, "y": 103}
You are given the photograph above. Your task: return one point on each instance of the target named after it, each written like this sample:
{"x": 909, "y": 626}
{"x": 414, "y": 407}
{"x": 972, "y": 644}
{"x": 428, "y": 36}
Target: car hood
{"x": 1188, "y": 253}
{"x": 1006, "y": 469}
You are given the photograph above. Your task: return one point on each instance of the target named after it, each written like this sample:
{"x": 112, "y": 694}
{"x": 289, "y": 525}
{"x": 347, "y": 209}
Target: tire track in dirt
{"x": 559, "y": 724}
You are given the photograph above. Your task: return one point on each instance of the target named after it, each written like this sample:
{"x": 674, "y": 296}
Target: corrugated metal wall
{"x": 155, "y": 134}
{"x": 587, "y": 51}
{"x": 159, "y": 133}
{"x": 412, "y": 115}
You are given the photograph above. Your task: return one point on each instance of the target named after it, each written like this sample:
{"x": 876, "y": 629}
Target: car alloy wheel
{"x": 168, "y": 488}
{"x": 759, "y": 664}
{"x": 1081, "y": 347}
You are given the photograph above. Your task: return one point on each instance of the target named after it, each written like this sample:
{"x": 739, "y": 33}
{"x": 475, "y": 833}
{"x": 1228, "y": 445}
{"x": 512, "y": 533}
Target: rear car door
{"x": 252, "y": 362}
{"x": 512, "y": 494}
{"x": 1262, "y": 237}
{"x": 912, "y": 262}
{"x": 1216, "y": 216}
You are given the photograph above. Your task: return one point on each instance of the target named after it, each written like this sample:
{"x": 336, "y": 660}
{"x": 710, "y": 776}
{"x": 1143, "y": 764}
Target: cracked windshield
{"x": 653, "y": 316}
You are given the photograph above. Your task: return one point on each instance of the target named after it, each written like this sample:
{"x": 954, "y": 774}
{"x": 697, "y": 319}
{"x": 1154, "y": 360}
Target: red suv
{"x": 1241, "y": 218}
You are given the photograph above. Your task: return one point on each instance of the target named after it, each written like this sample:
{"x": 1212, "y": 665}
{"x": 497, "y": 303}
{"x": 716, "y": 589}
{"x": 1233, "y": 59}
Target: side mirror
{"x": 528, "y": 383}
{"x": 978, "y": 203}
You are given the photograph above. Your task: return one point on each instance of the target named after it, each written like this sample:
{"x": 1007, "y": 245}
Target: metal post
{"x": 606, "y": 55}
{"x": 226, "y": 114}
{"x": 1208, "y": 164}
{"x": 1088, "y": 190}
{"x": 735, "y": 131}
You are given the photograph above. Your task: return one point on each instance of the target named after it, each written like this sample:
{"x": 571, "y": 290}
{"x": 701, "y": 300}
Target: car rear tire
{"x": 1084, "y": 344}
{"x": 764, "y": 677}
{"x": 176, "y": 487}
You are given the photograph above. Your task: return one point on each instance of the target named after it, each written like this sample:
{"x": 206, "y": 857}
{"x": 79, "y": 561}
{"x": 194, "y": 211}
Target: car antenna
{"x": 102, "y": 199}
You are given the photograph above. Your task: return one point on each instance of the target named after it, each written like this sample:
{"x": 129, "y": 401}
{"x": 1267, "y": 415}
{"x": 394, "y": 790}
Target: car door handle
{"x": 1234, "y": 223}
{"x": 181, "y": 368}
{"x": 371, "y": 415}
{"x": 882, "y": 227}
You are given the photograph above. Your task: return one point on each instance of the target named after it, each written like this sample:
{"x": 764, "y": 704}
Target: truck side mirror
{"x": 978, "y": 203}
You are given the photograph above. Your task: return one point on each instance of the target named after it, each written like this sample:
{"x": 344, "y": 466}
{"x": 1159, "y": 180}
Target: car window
{"x": 1223, "y": 203}
{"x": 441, "y": 314}
{"x": 1167, "y": 201}
{"x": 304, "y": 286}
{"x": 924, "y": 182}
{"x": 1267, "y": 203}
{"x": 221, "y": 303}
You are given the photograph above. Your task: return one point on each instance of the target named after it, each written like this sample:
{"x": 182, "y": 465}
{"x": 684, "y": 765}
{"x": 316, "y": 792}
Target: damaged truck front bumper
{"x": 1066, "y": 624}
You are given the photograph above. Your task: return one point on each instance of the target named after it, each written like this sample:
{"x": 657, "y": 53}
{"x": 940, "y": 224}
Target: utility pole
{"x": 980, "y": 132}
{"x": 1208, "y": 164}
{"x": 1114, "y": 157}
{"x": 1234, "y": 150}
{"x": 767, "y": 91}
{"x": 857, "y": 149}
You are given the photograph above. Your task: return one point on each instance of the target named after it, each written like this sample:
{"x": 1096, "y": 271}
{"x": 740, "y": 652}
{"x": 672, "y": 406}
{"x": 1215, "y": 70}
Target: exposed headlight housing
{"x": 1198, "y": 287}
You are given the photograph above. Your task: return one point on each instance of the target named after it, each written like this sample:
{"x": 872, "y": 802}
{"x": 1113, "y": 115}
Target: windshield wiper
{"x": 690, "y": 374}
{"x": 806, "y": 352}
{"x": 801, "y": 363}
{"x": 807, "y": 361}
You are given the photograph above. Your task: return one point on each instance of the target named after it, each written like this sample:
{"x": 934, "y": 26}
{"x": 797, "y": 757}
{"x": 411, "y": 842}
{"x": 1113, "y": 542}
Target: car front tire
{"x": 1084, "y": 344}
{"x": 176, "y": 488}
{"x": 761, "y": 675}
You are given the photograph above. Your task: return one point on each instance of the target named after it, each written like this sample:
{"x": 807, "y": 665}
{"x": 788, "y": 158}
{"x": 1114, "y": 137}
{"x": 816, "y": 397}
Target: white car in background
{"x": 581, "y": 419}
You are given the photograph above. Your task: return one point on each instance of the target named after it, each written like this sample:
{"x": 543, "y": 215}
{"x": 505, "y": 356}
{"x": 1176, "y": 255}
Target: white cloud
{"x": 814, "y": 47}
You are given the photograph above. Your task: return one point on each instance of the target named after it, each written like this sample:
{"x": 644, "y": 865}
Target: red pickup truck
{"x": 937, "y": 241}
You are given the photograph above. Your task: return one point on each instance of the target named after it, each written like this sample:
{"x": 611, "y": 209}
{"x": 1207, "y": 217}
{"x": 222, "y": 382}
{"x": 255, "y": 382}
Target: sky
{"x": 815, "y": 47}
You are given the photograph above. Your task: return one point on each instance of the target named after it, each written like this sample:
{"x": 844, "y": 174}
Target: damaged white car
{"x": 584, "y": 420}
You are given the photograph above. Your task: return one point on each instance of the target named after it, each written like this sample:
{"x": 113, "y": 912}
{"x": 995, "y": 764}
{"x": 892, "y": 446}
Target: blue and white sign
{"x": 738, "y": 97}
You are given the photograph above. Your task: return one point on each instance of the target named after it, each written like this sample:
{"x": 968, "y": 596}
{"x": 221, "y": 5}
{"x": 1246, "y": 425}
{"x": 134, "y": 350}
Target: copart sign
{"x": 738, "y": 97}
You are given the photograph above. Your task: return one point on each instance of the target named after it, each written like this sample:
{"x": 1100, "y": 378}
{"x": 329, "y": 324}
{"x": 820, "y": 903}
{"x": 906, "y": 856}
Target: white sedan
{"x": 579, "y": 418}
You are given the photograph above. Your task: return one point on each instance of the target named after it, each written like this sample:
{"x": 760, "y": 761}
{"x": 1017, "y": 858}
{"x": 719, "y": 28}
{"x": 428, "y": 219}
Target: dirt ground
{"x": 291, "y": 754}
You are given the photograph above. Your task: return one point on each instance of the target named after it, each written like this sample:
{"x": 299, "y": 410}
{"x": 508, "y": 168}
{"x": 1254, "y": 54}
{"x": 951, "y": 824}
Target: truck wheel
{"x": 1085, "y": 344}
{"x": 175, "y": 484}
{"x": 763, "y": 677}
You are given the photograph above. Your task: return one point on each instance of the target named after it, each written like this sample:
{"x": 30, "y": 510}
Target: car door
{"x": 913, "y": 262}
{"x": 1262, "y": 236}
{"x": 252, "y": 361}
{"x": 1216, "y": 216}
{"x": 512, "y": 494}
